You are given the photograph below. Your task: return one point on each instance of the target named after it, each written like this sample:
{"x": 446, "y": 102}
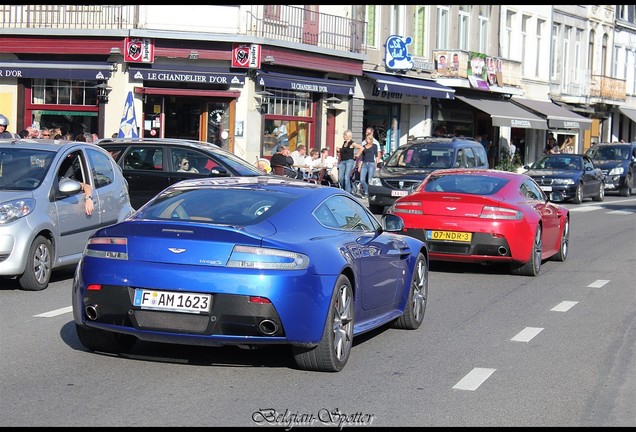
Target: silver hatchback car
{"x": 43, "y": 223}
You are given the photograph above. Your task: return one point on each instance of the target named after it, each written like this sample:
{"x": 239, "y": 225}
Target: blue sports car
{"x": 248, "y": 262}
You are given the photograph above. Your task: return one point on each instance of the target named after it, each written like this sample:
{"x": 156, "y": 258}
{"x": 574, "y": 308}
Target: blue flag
{"x": 128, "y": 125}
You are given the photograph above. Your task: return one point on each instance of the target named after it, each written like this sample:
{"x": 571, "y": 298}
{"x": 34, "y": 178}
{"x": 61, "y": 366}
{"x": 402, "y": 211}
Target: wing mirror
{"x": 392, "y": 223}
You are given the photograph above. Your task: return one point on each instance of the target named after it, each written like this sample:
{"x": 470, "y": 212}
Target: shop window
{"x": 63, "y": 92}
{"x": 71, "y": 105}
{"x": 288, "y": 120}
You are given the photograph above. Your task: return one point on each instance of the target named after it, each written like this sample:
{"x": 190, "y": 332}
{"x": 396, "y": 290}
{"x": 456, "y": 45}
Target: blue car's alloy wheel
{"x": 332, "y": 352}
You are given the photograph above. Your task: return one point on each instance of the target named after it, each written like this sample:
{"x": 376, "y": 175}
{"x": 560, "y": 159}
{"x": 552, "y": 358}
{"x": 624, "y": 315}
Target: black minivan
{"x": 412, "y": 162}
{"x": 617, "y": 161}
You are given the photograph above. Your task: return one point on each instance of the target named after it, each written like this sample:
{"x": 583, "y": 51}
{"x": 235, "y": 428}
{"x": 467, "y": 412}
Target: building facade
{"x": 247, "y": 77}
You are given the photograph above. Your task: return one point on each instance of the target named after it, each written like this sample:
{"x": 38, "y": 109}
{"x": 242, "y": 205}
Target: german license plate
{"x": 449, "y": 236}
{"x": 399, "y": 193}
{"x": 546, "y": 188}
{"x": 172, "y": 301}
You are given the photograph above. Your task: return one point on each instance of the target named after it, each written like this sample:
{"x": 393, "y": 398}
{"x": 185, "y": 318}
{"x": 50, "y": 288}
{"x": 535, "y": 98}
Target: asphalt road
{"x": 493, "y": 350}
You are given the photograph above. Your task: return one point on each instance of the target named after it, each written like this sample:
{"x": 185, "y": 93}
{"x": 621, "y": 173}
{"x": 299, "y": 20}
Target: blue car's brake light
{"x": 107, "y": 247}
{"x": 265, "y": 258}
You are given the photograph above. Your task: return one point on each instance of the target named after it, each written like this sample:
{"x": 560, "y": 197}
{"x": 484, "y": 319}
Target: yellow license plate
{"x": 449, "y": 236}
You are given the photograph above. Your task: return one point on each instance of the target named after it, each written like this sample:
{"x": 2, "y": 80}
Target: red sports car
{"x": 478, "y": 215}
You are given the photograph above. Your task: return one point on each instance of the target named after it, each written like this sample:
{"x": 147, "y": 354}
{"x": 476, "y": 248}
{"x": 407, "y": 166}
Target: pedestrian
{"x": 512, "y": 148}
{"x": 551, "y": 147}
{"x": 24, "y": 133}
{"x": 4, "y": 124}
{"x": 369, "y": 157}
{"x": 490, "y": 151}
{"x": 347, "y": 161}
{"x": 371, "y": 131}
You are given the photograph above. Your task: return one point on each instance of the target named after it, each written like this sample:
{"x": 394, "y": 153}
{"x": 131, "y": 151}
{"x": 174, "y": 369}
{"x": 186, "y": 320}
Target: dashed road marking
{"x": 55, "y": 312}
{"x": 474, "y": 379}
{"x": 598, "y": 283}
{"x": 585, "y": 208}
{"x": 564, "y": 306}
{"x": 527, "y": 334}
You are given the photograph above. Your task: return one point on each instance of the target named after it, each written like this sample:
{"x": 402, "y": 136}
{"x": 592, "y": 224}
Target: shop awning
{"x": 59, "y": 70}
{"x": 190, "y": 75}
{"x": 305, "y": 84}
{"x": 505, "y": 113}
{"x": 557, "y": 116}
{"x": 629, "y": 112}
{"x": 411, "y": 86}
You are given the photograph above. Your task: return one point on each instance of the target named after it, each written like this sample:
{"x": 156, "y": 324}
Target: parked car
{"x": 43, "y": 224}
{"x": 250, "y": 261}
{"x": 486, "y": 216}
{"x": 574, "y": 175}
{"x": 152, "y": 164}
{"x": 410, "y": 163}
{"x": 617, "y": 162}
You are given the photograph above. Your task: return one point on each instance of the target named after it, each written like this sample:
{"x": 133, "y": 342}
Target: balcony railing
{"x": 303, "y": 25}
{"x": 592, "y": 88}
{"x": 276, "y": 22}
{"x": 71, "y": 17}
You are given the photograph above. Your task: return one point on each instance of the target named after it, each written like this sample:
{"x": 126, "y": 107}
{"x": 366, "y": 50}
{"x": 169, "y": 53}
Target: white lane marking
{"x": 620, "y": 212}
{"x": 55, "y": 312}
{"x": 474, "y": 379}
{"x": 564, "y": 306}
{"x": 527, "y": 334}
{"x": 585, "y": 209}
{"x": 598, "y": 283}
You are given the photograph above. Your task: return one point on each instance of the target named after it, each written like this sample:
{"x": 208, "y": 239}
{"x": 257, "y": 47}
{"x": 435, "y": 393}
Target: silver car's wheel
{"x": 418, "y": 294}
{"x": 37, "y": 272}
{"x": 332, "y": 352}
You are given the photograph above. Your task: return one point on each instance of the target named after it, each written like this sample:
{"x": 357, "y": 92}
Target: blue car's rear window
{"x": 231, "y": 206}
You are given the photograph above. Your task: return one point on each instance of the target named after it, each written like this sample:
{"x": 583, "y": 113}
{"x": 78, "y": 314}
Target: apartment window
{"x": 484, "y": 21}
{"x": 272, "y": 12}
{"x": 554, "y": 51}
{"x": 630, "y": 65}
{"x": 371, "y": 38}
{"x": 464, "y": 27}
{"x": 538, "y": 58}
{"x": 524, "y": 42}
{"x": 618, "y": 65}
{"x": 419, "y": 36}
{"x": 578, "y": 39}
{"x": 397, "y": 20}
{"x": 590, "y": 52}
{"x": 565, "y": 78}
{"x": 604, "y": 55}
{"x": 510, "y": 17}
{"x": 442, "y": 27}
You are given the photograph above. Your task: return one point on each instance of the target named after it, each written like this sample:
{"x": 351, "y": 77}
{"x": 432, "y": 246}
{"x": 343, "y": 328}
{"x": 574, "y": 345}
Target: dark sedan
{"x": 574, "y": 175}
{"x": 152, "y": 164}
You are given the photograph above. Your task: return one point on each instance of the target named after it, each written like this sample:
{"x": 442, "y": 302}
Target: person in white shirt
{"x": 311, "y": 164}
{"x": 330, "y": 164}
{"x": 299, "y": 155}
